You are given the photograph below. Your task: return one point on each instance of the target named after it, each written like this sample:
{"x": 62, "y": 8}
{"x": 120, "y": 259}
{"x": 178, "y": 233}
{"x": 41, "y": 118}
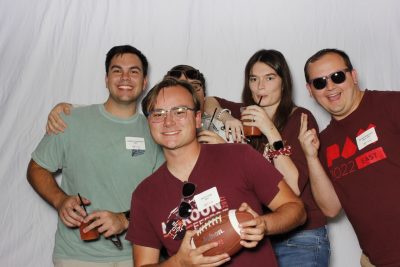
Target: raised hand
{"x": 308, "y": 138}
{"x": 256, "y": 116}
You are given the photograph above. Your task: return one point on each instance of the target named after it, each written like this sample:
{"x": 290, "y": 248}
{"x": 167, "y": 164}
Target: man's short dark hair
{"x": 149, "y": 100}
{"x": 126, "y": 49}
{"x": 322, "y": 53}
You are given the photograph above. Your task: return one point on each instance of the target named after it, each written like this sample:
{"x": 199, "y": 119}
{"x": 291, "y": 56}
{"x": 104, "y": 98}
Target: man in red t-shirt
{"x": 359, "y": 150}
{"x": 168, "y": 205}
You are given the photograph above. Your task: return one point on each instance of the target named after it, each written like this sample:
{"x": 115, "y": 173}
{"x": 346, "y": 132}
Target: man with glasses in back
{"x": 358, "y": 165}
{"x": 212, "y": 130}
{"x": 200, "y": 181}
{"x": 103, "y": 154}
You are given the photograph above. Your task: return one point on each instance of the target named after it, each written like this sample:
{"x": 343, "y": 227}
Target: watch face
{"x": 278, "y": 145}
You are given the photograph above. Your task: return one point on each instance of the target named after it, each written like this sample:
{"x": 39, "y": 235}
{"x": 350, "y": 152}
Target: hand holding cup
{"x": 249, "y": 131}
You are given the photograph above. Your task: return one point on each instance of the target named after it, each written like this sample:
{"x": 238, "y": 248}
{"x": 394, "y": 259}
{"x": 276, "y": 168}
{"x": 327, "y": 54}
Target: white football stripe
{"x": 233, "y": 220}
{"x": 192, "y": 243}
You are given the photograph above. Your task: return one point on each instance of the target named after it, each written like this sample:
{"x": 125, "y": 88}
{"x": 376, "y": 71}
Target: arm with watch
{"x": 276, "y": 151}
{"x": 279, "y": 151}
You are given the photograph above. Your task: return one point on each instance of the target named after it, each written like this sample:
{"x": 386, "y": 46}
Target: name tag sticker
{"x": 366, "y": 138}
{"x": 207, "y": 198}
{"x": 135, "y": 143}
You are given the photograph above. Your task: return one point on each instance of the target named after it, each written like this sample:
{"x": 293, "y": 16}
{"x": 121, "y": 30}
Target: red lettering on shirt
{"x": 332, "y": 153}
{"x": 349, "y": 148}
{"x": 370, "y": 157}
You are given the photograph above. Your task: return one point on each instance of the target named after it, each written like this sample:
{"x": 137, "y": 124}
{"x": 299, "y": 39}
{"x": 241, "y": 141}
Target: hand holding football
{"x": 224, "y": 229}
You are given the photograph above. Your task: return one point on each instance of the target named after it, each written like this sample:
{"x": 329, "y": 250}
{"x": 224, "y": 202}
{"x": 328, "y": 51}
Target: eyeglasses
{"x": 190, "y": 74}
{"x": 178, "y": 113}
{"x": 185, "y": 209}
{"x": 336, "y": 77}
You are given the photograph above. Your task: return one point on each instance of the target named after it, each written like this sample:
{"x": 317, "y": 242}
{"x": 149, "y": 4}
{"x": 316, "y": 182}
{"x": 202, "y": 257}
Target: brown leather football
{"x": 224, "y": 229}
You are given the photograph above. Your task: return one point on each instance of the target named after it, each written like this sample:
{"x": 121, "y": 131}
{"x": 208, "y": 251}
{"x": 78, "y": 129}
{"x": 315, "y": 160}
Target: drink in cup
{"x": 90, "y": 235}
{"x": 249, "y": 131}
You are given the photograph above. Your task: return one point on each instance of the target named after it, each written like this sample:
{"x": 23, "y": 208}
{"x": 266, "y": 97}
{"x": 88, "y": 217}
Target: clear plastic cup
{"x": 249, "y": 131}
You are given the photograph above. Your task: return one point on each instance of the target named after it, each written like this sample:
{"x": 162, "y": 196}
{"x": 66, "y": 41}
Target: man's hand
{"x": 108, "y": 223}
{"x": 209, "y": 137}
{"x": 70, "y": 211}
{"x": 186, "y": 256}
{"x": 253, "y": 231}
{"x": 308, "y": 138}
{"x": 55, "y": 123}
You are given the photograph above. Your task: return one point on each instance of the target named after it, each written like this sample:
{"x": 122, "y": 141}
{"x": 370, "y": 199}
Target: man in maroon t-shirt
{"x": 170, "y": 202}
{"x": 360, "y": 152}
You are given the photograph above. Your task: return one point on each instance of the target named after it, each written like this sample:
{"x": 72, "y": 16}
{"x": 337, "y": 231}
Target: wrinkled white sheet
{"x": 52, "y": 51}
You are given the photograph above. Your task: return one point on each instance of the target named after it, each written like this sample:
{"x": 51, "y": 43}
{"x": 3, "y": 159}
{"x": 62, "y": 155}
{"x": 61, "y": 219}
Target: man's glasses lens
{"x": 336, "y": 77}
{"x": 188, "y": 189}
{"x": 185, "y": 209}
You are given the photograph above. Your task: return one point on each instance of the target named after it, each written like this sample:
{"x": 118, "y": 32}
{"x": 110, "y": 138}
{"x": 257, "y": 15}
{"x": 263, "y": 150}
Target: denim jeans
{"x": 308, "y": 248}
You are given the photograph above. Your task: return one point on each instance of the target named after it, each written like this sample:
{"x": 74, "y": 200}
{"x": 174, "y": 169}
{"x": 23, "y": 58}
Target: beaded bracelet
{"x": 222, "y": 111}
{"x": 271, "y": 154}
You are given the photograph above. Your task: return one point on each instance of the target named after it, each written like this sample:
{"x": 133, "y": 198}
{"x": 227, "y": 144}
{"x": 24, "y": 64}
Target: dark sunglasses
{"x": 336, "y": 77}
{"x": 190, "y": 74}
{"x": 185, "y": 209}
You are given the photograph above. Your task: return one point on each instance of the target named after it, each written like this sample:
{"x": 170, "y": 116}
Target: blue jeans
{"x": 308, "y": 248}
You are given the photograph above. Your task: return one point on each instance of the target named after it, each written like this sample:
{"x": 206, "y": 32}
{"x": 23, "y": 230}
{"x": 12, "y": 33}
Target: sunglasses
{"x": 336, "y": 77}
{"x": 185, "y": 209}
{"x": 190, "y": 74}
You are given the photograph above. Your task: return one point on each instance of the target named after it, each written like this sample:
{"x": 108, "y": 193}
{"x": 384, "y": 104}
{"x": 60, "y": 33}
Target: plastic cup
{"x": 249, "y": 131}
{"x": 90, "y": 235}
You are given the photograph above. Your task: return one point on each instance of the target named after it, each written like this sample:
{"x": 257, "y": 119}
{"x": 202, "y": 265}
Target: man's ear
{"x": 144, "y": 83}
{"x": 309, "y": 89}
{"x": 354, "y": 75}
{"x": 198, "y": 119}
{"x": 106, "y": 80}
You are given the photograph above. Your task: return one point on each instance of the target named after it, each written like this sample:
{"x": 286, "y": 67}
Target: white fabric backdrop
{"x": 52, "y": 51}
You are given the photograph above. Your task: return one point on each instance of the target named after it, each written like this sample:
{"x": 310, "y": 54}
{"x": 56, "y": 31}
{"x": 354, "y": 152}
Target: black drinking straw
{"x": 259, "y": 101}
{"x": 215, "y": 110}
{"x": 82, "y": 204}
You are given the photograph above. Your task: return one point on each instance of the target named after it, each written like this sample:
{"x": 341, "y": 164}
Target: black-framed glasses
{"x": 185, "y": 209}
{"x": 190, "y": 74}
{"x": 337, "y": 77}
{"x": 178, "y": 113}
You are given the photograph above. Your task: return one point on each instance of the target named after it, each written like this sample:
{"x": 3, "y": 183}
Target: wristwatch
{"x": 127, "y": 214}
{"x": 277, "y": 145}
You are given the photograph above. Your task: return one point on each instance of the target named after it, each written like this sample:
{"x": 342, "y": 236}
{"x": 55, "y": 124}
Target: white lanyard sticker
{"x": 207, "y": 198}
{"x": 366, "y": 138}
{"x": 135, "y": 143}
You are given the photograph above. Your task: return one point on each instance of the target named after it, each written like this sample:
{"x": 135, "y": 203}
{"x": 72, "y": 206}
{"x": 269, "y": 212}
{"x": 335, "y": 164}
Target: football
{"x": 224, "y": 229}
